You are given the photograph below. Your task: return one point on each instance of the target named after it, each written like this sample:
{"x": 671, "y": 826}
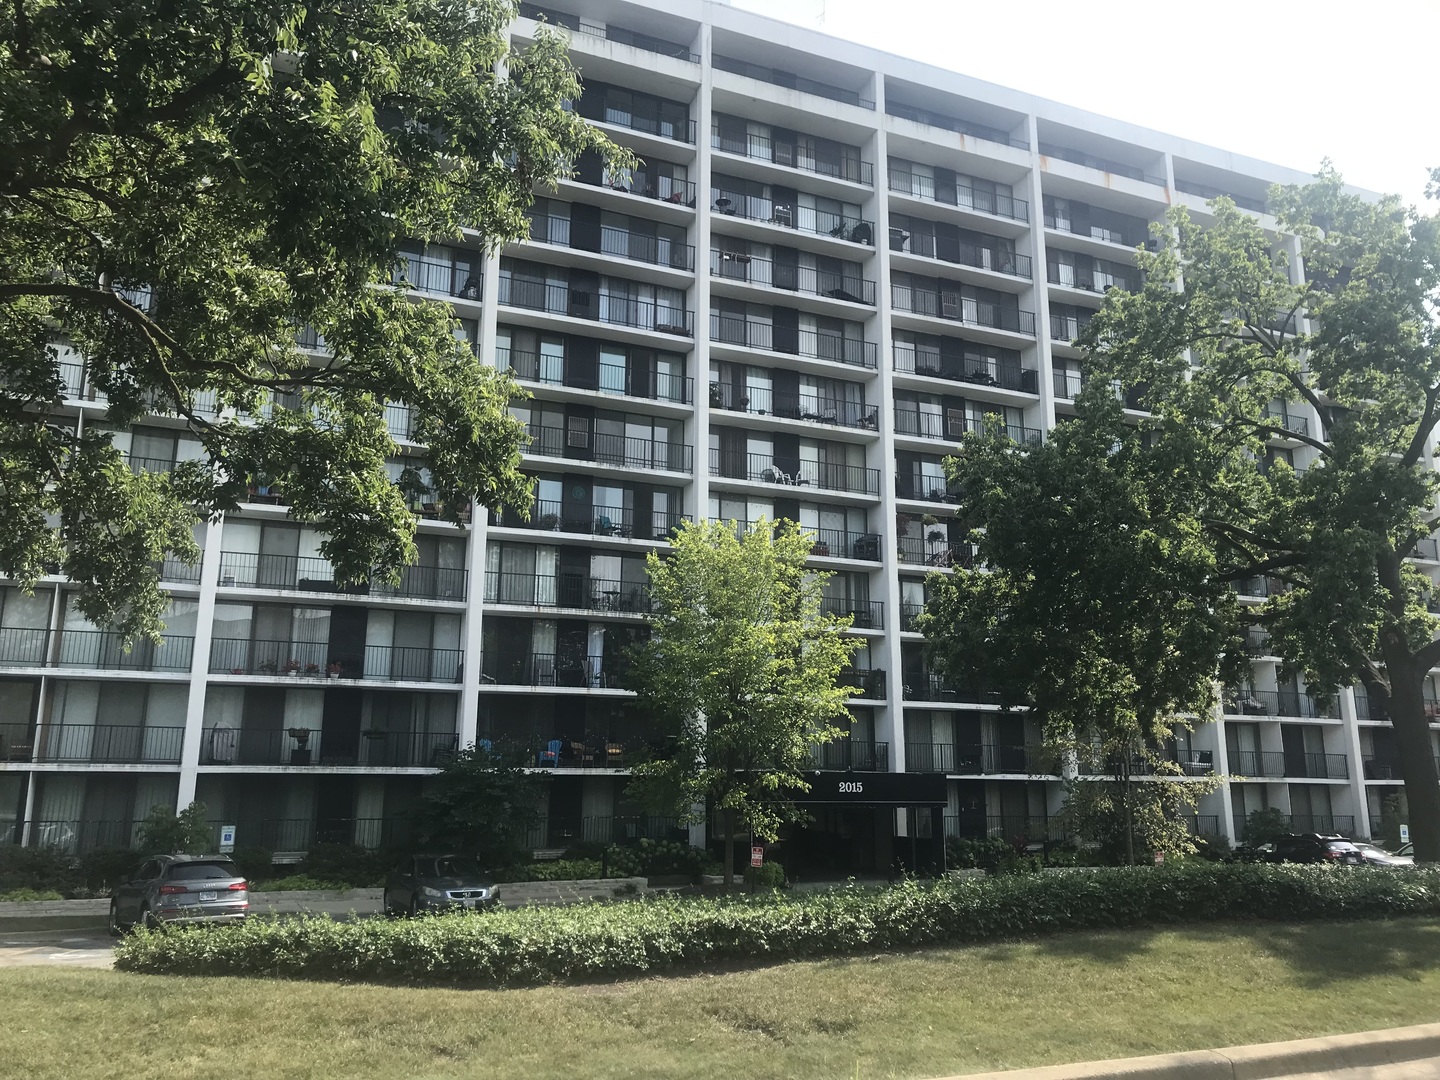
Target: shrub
{"x": 651, "y": 858}
{"x": 105, "y": 868}
{"x": 30, "y": 894}
{"x": 979, "y": 853}
{"x": 616, "y": 940}
{"x": 770, "y": 875}
{"x": 1265, "y": 826}
{"x": 163, "y": 832}
{"x": 555, "y": 870}
{"x": 297, "y": 883}
{"x": 355, "y": 866}
{"x": 255, "y": 863}
{"x": 39, "y": 868}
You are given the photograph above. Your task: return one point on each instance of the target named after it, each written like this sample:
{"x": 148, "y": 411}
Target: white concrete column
{"x": 1040, "y": 289}
{"x": 699, "y": 425}
{"x": 200, "y": 665}
{"x": 1350, "y": 741}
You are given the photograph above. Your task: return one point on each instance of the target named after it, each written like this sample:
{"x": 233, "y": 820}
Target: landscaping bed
{"x": 619, "y": 940}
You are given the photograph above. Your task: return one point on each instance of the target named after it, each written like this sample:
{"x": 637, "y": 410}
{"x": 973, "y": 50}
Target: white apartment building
{"x": 831, "y": 263}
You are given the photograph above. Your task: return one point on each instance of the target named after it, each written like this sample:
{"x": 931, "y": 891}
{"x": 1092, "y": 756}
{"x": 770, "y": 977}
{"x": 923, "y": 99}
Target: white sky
{"x": 1286, "y": 81}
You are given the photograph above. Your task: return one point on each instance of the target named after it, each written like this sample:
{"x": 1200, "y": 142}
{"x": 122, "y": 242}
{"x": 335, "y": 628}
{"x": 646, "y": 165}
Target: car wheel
{"x": 414, "y": 908}
{"x": 148, "y": 920}
{"x": 114, "y": 925}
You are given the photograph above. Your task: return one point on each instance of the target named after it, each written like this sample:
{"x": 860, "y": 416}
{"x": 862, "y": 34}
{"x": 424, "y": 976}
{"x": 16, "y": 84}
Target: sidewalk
{"x": 1409, "y": 1053}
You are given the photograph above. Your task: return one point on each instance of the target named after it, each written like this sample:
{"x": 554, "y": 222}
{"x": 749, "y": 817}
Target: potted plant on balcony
{"x": 550, "y": 522}
{"x": 267, "y": 667}
{"x": 292, "y": 666}
{"x": 334, "y": 670}
{"x": 312, "y": 668}
{"x": 820, "y": 547}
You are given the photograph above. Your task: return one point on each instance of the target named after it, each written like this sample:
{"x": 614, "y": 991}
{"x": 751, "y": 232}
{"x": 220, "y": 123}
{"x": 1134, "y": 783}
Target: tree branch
{"x": 1422, "y": 431}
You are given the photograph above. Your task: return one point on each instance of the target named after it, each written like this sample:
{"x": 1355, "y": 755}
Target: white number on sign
{"x": 851, "y": 787}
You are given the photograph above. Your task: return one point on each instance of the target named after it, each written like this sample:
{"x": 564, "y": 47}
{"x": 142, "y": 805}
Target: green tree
{"x": 183, "y": 188}
{"x": 164, "y": 832}
{"x": 1334, "y": 312}
{"x": 484, "y": 803}
{"x": 1099, "y": 607}
{"x": 1133, "y": 819}
{"x": 742, "y": 669}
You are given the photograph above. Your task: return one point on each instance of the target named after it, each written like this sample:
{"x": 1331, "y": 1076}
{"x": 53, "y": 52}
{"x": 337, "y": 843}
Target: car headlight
{"x": 434, "y": 894}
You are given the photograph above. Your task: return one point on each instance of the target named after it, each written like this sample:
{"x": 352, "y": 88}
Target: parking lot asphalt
{"x": 60, "y": 948}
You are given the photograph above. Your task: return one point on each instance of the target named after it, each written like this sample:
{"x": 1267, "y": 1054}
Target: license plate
{"x": 471, "y": 902}
{"x": 209, "y": 896}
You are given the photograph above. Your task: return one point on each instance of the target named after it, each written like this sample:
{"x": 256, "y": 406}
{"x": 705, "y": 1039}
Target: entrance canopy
{"x": 873, "y": 789}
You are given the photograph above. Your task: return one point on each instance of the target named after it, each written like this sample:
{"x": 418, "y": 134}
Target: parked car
{"x": 1406, "y": 848}
{"x": 1378, "y": 856}
{"x": 167, "y": 890}
{"x": 1317, "y": 848}
{"x": 439, "y": 883}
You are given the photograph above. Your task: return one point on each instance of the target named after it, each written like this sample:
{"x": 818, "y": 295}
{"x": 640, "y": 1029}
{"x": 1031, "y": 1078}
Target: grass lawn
{"x": 1069, "y": 998}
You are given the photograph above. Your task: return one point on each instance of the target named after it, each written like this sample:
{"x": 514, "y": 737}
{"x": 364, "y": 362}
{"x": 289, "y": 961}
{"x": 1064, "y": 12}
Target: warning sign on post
{"x": 1159, "y": 857}
{"x": 757, "y": 856}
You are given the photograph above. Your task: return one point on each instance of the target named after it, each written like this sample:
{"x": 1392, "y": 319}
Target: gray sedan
{"x": 439, "y": 883}
{"x": 174, "y": 889}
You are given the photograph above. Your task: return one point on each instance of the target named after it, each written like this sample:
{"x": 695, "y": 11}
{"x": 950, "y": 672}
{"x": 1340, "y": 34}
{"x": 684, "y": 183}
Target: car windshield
{"x": 203, "y": 871}
{"x": 449, "y": 866}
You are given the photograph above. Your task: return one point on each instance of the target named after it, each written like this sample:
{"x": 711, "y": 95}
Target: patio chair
{"x": 550, "y": 756}
{"x": 583, "y": 755}
{"x": 614, "y": 755}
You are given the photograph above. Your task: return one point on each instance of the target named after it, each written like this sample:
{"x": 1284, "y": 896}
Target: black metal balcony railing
{"x": 546, "y": 669}
{"x": 609, "y": 32}
{"x": 530, "y": 366}
{"x": 1298, "y": 424}
{"x": 963, "y": 309}
{"x": 925, "y": 551}
{"x": 924, "y": 686}
{"x": 828, "y": 476}
{"x": 247, "y": 570}
{"x": 867, "y": 614}
{"x": 1004, "y": 372}
{"x": 870, "y": 682}
{"x": 834, "y": 543}
{"x": 909, "y": 620}
{"x": 1204, "y": 825}
{"x": 1130, "y": 233}
{"x": 790, "y": 81}
{"x": 590, "y": 751}
{"x": 964, "y": 196}
{"x": 753, "y": 270}
{"x": 564, "y": 832}
{"x": 1095, "y": 278}
{"x": 951, "y": 429}
{"x": 104, "y": 649}
{"x": 1370, "y": 706}
{"x": 813, "y": 344}
{"x": 976, "y": 759}
{"x": 1341, "y": 824}
{"x": 315, "y": 659}
{"x": 1093, "y": 161}
{"x": 1260, "y": 586}
{"x": 761, "y": 148}
{"x": 1066, "y": 328}
{"x": 609, "y": 308}
{"x": 609, "y": 449}
{"x": 1278, "y": 763}
{"x": 1205, "y": 191}
{"x": 24, "y": 647}
{"x": 568, "y": 590}
{"x": 957, "y": 124}
{"x": 1015, "y": 828}
{"x": 625, "y": 243}
{"x": 599, "y": 520}
{"x": 140, "y": 465}
{"x": 805, "y": 219}
{"x": 1068, "y": 384}
{"x": 1273, "y": 703}
{"x": 764, "y": 401}
{"x": 1381, "y": 768}
{"x": 648, "y": 185}
{"x": 1257, "y": 643}
{"x": 117, "y": 744}
{"x": 1427, "y": 547}
{"x": 441, "y": 276}
{"x": 304, "y": 747}
{"x": 845, "y": 754}
{"x": 922, "y": 488}
{"x": 961, "y": 253}
{"x": 300, "y": 834}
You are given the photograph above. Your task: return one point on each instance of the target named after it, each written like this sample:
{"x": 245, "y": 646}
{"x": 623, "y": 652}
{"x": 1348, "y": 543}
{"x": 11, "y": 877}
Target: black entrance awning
{"x": 873, "y": 789}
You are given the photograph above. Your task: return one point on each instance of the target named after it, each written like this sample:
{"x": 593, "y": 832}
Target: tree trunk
{"x": 1417, "y": 759}
{"x": 729, "y": 850}
{"x": 1129, "y": 812}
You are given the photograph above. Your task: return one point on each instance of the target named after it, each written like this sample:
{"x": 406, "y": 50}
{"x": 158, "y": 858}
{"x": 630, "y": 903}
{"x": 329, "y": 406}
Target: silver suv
{"x": 167, "y": 890}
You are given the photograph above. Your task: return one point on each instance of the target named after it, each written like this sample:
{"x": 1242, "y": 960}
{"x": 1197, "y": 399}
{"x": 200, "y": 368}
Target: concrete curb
{"x": 1366, "y": 1049}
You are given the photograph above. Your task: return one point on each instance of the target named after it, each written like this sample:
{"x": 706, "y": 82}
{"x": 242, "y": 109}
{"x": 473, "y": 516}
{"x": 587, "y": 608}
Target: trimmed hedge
{"x": 539, "y": 944}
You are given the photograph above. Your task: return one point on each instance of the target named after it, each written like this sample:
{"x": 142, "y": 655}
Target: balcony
{"x": 666, "y": 127}
{"x": 623, "y": 243}
{"x": 563, "y": 832}
{"x": 922, "y": 488}
{"x": 976, "y": 759}
{"x": 303, "y": 573}
{"x": 1067, "y": 384}
{"x": 1094, "y": 275}
{"x": 791, "y": 81}
{"x": 1343, "y": 824}
{"x": 1381, "y": 768}
{"x": 1206, "y": 192}
{"x": 1206, "y": 826}
{"x": 603, "y": 448}
{"x": 929, "y": 426}
{"x": 870, "y": 682}
{"x": 1189, "y": 762}
{"x": 544, "y": 669}
{"x": 763, "y": 401}
{"x": 761, "y": 468}
{"x": 955, "y": 307}
{"x": 843, "y": 755}
{"x": 752, "y": 270}
{"x": 152, "y": 465}
{"x": 600, "y": 520}
{"x": 961, "y": 253}
{"x": 925, "y": 686}
{"x": 609, "y": 308}
{"x": 24, "y": 647}
{"x": 617, "y": 379}
{"x": 314, "y": 660}
{"x": 1374, "y": 706}
{"x": 762, "y": 148}
{"x": 965, "y": 197}
{"x": 104, "y": 650}
{"x": 610, "y": 32}
{"x": 567, "y": 591}
{"x": 442, "y": 277}
{"x": 867, "y": 614}
{"x": 1079, "y": 219}
{"x": 86, "y": 744}
{"x": 834, "y": 543}
{"x": 1066, "y": 328}
{"x": 1287, "y": 422}
{"x": 811, "y": 344}
{"x": 1093, "y": 161}
{"x": 956, "y": 124}
{"x": 341, "y": 748}
{"x": 805, "y": 219}
{"x": 923, "y": 551}
{"x": 647, "y": 184}
{"x": 591, "y": 753}
{"x": 1007, "y": 374}
{"x": 1426, "y": 548}
{"x": 1279, "y": 764}
{"x": 1017, "y": 829}
{"x": 1273, "y": 703}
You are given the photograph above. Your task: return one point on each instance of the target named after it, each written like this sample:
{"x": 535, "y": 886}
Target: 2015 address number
{"x": 852, "y": 787}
